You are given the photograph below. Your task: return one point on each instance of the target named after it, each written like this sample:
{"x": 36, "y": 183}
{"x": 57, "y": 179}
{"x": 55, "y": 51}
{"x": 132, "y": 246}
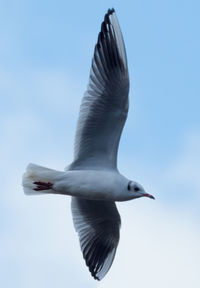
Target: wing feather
{"x": 104, "y": 107}
{"x": 97, "y": 224}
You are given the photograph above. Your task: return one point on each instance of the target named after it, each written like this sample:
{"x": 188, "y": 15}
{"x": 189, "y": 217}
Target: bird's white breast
{"x": 90, "y": 184}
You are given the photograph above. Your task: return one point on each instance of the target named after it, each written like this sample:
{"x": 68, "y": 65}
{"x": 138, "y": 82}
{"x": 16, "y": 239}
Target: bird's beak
{"x": 149, "y": 196}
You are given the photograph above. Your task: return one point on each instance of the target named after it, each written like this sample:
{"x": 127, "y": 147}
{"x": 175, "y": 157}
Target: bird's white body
{"x": 93, "y": 185}
{"x": 86, "y": 184}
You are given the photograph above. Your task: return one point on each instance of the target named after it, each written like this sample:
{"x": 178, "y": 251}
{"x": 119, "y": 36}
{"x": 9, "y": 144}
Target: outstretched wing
{"x": 97, "y": 224}
{"x": 104, "y": 107}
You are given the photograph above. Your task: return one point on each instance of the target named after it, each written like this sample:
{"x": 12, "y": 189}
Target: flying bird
{"x": 93, "y": 179}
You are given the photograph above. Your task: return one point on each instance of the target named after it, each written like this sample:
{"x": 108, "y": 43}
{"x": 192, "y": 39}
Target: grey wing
{"x": 104, "y": 107}
{"x": 97, "y": 224}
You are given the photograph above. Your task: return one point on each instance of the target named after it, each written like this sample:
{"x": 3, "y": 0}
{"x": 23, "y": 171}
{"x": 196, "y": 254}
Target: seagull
{"x": 92, "y": 179}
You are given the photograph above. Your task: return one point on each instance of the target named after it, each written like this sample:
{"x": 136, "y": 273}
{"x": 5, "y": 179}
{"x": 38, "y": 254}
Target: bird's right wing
{"x": 104, "y": 107}
{"x": 97, "y": 224}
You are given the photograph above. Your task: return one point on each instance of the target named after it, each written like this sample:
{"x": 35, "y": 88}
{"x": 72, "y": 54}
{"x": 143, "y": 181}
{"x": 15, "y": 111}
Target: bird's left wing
{"x": 97, "y": 224}
{"x": 104, "y": 107}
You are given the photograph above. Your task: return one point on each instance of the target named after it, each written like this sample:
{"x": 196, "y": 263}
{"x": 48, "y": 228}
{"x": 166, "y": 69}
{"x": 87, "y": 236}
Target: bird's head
{"x": 136, "y": 190}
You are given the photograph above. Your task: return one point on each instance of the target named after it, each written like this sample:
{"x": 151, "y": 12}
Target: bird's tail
{"x": 39, "y": 180}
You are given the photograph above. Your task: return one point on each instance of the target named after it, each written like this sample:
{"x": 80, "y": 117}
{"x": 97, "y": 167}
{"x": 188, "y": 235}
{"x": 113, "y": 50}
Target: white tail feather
{"x": 35, "y": 173}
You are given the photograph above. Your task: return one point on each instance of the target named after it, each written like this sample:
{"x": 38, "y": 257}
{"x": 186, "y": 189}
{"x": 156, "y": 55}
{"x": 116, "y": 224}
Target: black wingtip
{"x": 95, "y": 277}
{"x": 110, "y": 11}
{"x": 106, "y": 18}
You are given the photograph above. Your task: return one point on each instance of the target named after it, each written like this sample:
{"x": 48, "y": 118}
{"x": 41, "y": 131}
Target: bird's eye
{"x": 136, "y": 189}
{"x": 129, "y": 185}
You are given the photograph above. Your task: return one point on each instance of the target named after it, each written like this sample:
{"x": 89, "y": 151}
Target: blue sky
{"x": 46, "y": 50}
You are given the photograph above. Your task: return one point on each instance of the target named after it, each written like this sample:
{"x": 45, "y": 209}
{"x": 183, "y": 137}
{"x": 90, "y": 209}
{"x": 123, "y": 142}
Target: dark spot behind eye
{"x": 129, "y": 185}
{"x": 136, "y": 189}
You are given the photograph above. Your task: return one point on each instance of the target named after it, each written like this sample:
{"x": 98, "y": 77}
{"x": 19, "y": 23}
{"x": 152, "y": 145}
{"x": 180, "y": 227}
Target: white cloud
{"x": 159, "y": 247}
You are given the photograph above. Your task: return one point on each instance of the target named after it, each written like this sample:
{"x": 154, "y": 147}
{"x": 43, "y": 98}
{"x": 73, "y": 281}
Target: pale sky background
{"x": 46, "y": 49}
